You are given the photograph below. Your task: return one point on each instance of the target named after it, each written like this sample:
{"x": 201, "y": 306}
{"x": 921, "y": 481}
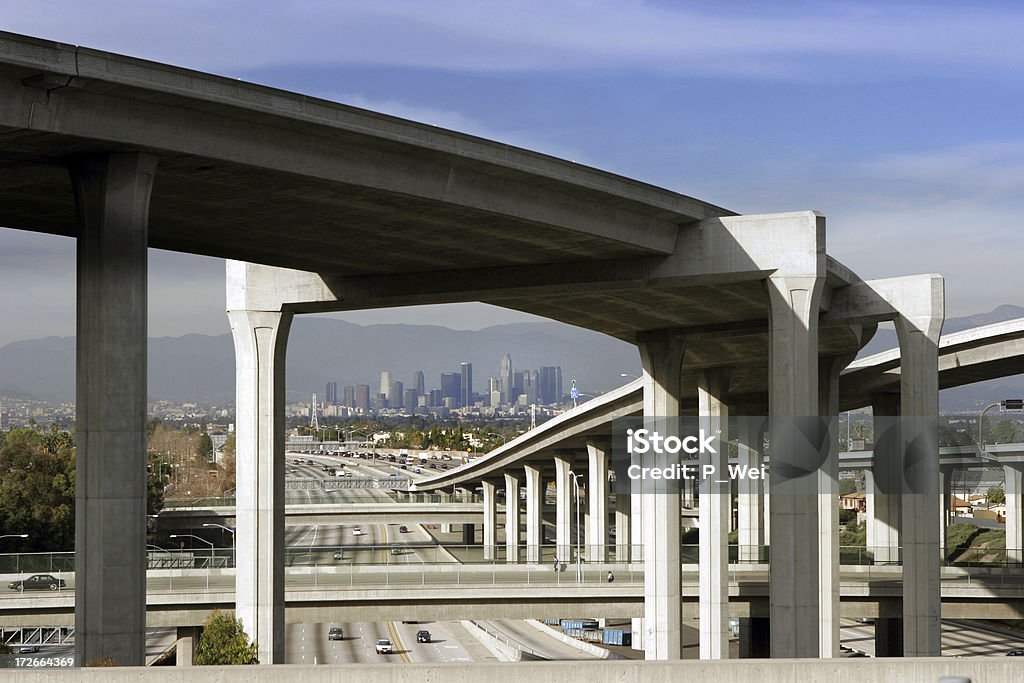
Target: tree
{"x": 204, "y": 450}
{"x": 37, "y": 488}
{"x": 995, "y": 496}
{"x": 1004, "y": 431}
{"x": 224, "y": 642}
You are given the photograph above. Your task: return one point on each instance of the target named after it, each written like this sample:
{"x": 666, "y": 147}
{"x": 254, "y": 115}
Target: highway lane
{"x": 960, "y": 638}
{"x": 308, "y": 643}
{"x": 534, "y": 643}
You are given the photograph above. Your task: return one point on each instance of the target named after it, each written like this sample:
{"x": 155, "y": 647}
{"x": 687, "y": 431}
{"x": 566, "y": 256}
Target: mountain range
{"x": 200, "y": 368}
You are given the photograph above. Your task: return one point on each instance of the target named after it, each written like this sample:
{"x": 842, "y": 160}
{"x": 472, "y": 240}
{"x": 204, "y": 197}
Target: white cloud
{"x": 532, "y": 34}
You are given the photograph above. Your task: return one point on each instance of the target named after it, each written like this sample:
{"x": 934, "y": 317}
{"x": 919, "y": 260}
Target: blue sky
{"x": 899, "y": 121}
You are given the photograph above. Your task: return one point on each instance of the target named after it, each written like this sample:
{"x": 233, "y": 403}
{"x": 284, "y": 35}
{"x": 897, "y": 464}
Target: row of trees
{"x": 37, "y": 481}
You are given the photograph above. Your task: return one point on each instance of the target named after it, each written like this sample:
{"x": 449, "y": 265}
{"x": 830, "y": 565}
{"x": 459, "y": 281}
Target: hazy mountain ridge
{"x": 197, "y": 367}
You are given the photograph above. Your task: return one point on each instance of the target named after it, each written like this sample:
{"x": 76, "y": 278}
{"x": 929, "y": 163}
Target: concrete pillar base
{"x": 755, "y": 638}
{"x": 889, "y": 637}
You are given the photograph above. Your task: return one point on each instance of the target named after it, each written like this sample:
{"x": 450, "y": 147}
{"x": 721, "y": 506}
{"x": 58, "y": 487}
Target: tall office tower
{"x": 494, "y": 392}
{"x": 451, "y": 387}
{"x": 362, "y": 398}
{"x": 411, "y": 399}
{"x": 418, "y": 384}
{"x": 348, "y": 396}
{"x": 549, "y": 388}
{"x": 466, "y": 393}
{"x": 331, "y": 395}
{"x": 385, "y": 383}
{"x": 435, "y": 398}
{"x": 506, "y": 379}
{"x": 517, "y": 384}
{"x": 395, "y": 394}
{"x": 530, "y": 381}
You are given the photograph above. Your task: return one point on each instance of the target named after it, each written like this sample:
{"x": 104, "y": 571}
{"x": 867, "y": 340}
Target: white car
{"x": 384, "y": 647}
{"x": 357, "y": 532}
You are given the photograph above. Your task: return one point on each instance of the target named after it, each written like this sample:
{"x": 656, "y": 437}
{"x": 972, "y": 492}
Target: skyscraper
{"x": 331, "y": 395}
{"x": 466, "y": 393}
{"x": 418, "y": 384}
{"x": 506, "y": 379}
{"x": 549, "y": 387}
{"x": 395, "y": 394}
{"x": 362, "y": 398}
{"x": 451, "y": 386}
{"x": 348, "y": 397}
{"x": 385, "y": 383}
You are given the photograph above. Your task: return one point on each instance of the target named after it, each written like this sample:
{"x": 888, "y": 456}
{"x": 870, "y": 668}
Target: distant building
{"x": 348, "y": 396}
{"x": 331, "y": 394}
{"x": 395, "y": 394}
{"x": 506, "y": 379}
{"x": 418, "y": 383}
{"x": 385, "y": 382}
{"x": 549, "y": 389}
{"x": 411, "y": 400}
{"x": 466, "y": 389}
{"x": 362, "y": 398}
{"x": 451, "y": 388}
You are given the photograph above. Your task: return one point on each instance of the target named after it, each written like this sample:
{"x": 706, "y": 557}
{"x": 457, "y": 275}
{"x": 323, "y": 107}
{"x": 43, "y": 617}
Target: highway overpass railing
{"x": 425, "y": 553}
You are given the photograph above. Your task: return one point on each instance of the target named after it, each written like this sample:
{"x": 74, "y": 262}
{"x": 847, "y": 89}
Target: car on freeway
{"x": 28, "y": 649}
{"x": 419, "y": 471}
{"x": 324, "y": 468}
{"x": 384, "y": 647}
{"x": 337, "y": 555}
{"x": 423, "y": 636}
{"x": 310, "y": 462}
{"x": 38, "y": 582}
{"x": 403, "y": 529}
{"x": 357, "y": 532}
{"x": 1015, "y": 653}
{"x": 336, "y": 633}
{"x": 296, "y": 462}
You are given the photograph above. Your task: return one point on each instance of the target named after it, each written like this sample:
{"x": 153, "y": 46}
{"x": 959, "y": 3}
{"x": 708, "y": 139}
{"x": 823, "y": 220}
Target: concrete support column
{"x": 792, "y": 400}
{"x": 828, "y": 508}
{"x": 886, "y": 482}
{"x": 755, "y": 638}
{"x": 534, "y": 500}
{"x": 564, "y": 508}
{"x": 260, "y": 343}
{"x": 714, "y": 507}
{"x": 511, "y": 518}
{"x": 661, "y": 355}
{"x": 188, "y": 640}
{"x": 1014, "y": 519}
{"x": 622, "y": 527}
{"x": 945, "y": 505}
{"x": 750, "y": 494}
{"x": 889, "y": 637}
{"x": 919, "y": 405}
{"x": 597, "y": 493}
{"x": 490, "y": 519}
{"x": 112, "y": 196}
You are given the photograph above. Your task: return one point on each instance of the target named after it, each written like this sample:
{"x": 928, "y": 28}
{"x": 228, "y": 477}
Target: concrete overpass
{"x": 425, "y": 592}
{"x": 337, "y": 208}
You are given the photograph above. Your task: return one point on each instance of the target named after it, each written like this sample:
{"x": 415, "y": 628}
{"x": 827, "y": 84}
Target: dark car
{"x": 39, "y": 582}
{"x": 422, "y": 636}
{"x": 1015, "y": 653}
{"x": 403, "y": 529}
{"x": 336, "y": 633}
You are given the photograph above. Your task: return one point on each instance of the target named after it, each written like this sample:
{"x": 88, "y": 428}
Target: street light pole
{"x": 213, "y": 548}
{"x": 229, "y": 530}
